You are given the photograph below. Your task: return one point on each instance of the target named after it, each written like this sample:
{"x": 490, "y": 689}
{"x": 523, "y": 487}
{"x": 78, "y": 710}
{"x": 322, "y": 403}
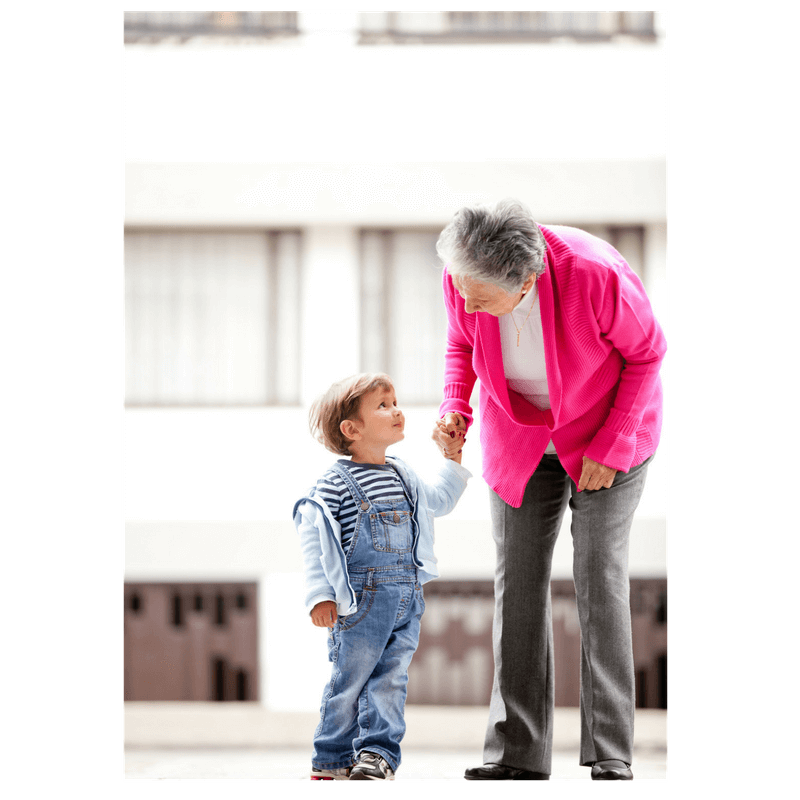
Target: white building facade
{"x": 283, "y": 197}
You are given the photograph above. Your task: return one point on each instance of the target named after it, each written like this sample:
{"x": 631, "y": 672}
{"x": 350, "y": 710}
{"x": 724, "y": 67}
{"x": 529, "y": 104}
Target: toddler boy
{"x": 366, "y": 532}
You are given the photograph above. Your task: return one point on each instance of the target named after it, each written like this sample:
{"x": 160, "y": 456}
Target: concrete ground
{"x": 244, "y": 741}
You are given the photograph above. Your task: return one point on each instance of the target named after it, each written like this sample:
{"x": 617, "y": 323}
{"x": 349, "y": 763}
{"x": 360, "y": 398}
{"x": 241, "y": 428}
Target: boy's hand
{"x": 324, "y": 615}
{"x": 450, "y": 435}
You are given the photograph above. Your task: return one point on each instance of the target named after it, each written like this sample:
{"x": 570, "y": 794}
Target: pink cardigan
{"x": 603, "y": 350}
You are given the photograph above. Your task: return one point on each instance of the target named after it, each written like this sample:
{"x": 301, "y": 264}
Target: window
{"x": 152, "y": 26}
{"x": 627, "y": 240}
{"x": 401, "y": 294}
{"x": 211, "y": 318}
{"x": 176, "y": 647}
{"x": 417, "y": 27}
{"x": 401, "y": 299}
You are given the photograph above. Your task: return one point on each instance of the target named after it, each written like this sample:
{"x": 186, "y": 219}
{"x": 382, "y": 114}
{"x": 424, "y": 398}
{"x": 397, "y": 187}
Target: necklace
{"x": 519, "y": 329}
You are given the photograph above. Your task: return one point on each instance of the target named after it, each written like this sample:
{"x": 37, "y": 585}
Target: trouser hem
{"x": 332, "y": 764}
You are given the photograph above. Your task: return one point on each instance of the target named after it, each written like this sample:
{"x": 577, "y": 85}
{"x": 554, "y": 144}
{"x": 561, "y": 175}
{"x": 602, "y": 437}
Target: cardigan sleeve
{"x": 459, "y": 375}
{"x": 626, "y": 321}
{"x": 316, "y": 585}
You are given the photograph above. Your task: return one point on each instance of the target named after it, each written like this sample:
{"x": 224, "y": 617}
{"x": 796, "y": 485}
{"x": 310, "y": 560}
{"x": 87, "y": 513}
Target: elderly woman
{"x": 559, "y": 331}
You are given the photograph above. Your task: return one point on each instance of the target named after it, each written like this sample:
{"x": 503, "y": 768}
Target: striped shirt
{"x": 379, "y": 482}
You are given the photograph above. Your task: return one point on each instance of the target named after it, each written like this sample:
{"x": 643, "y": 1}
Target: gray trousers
{"x": 520, "y": 729}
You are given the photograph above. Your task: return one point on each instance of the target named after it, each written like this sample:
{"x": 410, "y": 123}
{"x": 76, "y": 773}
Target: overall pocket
{"x": 391, "y": 531}
{"x": 364, "y": 600}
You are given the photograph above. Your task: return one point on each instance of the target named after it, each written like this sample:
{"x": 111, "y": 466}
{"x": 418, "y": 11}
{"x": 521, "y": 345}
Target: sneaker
{"x": 371, "y": 767}
{"x": 341, "y": 774}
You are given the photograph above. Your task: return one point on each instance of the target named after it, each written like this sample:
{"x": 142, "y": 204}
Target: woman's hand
{"x": 324, "y": 615}
{"x": 595, "y": 476}
{"x": 449, "y": 434}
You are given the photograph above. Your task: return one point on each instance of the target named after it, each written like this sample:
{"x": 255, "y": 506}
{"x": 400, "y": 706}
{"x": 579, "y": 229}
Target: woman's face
{"x": 486, "y": 297}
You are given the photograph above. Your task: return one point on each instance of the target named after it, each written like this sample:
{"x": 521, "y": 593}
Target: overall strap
{"x": 406, "y": 490}
{"x": 359, "y": 497}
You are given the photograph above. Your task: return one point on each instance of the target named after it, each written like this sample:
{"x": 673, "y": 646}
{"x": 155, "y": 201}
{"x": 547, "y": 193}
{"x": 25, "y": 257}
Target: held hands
{"x": 324, "y": 615}
{"x": 595, "y": 476}
{"x": 449, "y": 434}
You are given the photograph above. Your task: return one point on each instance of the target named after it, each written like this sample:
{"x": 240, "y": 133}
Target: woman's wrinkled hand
{"x": 595, "y": 476}
{"x": 449, "y": 433}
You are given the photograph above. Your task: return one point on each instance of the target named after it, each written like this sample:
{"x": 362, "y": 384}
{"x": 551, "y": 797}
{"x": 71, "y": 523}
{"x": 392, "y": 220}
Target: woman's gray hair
{"x": 502, "y": 246}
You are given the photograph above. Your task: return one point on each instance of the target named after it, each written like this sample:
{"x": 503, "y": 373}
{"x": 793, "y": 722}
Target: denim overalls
{"x": 370, "y": 650}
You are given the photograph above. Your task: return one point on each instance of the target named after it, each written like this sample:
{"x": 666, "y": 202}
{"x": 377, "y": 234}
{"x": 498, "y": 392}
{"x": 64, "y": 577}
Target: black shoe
{"x": 611, "y": 770}
{"x": 499, "y": 772}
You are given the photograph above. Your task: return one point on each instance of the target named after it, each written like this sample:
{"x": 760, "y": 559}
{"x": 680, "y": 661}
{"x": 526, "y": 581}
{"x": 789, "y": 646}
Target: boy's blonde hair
{"x": 342, "y": 401}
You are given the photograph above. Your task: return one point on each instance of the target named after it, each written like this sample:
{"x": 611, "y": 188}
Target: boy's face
{"x": 380, "y": 422}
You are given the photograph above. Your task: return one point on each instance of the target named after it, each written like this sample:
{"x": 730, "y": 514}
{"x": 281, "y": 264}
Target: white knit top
{"x": 524, "y": 366}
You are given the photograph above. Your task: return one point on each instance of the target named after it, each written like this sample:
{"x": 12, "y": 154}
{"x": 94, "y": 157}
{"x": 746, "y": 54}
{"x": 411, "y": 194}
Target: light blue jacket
{"x": 324, "y": 563}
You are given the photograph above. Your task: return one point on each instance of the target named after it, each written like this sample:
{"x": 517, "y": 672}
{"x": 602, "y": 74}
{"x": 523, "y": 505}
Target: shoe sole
{"x": 482, "y": 778}
{"x": 315, "y": 777}
{"x": 501, "y": 779}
